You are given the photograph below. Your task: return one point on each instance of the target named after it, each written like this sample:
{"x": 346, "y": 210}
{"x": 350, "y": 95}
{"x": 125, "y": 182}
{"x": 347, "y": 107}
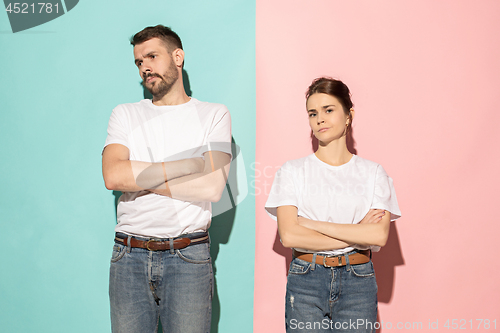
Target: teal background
{"x": 58, "y": 84}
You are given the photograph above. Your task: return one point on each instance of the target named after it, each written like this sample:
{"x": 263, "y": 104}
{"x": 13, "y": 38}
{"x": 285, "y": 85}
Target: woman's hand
{"x": 294, "y": 233}
{"x": 373, "y": 216}
{"x": 372, "y": 230}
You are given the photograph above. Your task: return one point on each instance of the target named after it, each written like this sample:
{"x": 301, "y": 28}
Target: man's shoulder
{"x": 136, "y": 105}
{"x": 209, "y": 106}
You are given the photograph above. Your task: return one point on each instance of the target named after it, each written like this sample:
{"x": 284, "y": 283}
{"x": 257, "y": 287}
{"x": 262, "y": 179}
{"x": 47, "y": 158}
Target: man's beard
{"x": 162, "y": 86}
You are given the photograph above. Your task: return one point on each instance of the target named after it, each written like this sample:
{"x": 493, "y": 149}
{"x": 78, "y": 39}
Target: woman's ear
{"x": 351, "y": 114}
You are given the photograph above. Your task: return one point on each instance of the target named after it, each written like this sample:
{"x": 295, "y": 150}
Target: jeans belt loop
{"x": 129, "y": 245}
{"x": 172, "y": 251}
{"x": 313, "y": 266}
{"x": 347, "y": 264}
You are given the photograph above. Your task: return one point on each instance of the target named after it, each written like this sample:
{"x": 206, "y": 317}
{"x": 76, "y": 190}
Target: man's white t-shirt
{"x": 160, "y": 134}
{"x": 338, "y": 194}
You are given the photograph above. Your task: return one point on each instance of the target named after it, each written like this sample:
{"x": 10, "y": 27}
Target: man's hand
{"x": 196, "y": 165}
{"x": 206, "y": 185}
{"x": 121, "y": 174}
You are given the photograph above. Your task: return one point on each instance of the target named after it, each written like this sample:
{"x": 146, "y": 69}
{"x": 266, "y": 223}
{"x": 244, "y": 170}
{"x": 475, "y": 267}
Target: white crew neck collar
{"x": 150, "y": 103}
{"x": 353, "y": 158}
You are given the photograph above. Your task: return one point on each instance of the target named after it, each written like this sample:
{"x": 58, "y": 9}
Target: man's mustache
{"x": 148, "y": 75}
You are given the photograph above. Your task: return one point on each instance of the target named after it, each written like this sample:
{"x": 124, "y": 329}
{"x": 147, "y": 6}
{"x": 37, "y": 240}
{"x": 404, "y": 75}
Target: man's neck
{"x": 175, "y": 96}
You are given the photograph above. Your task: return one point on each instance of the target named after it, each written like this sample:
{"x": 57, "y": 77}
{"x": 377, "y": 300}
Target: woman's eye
{"x": 329, "y": 110}
{"x": 311, "y": 115}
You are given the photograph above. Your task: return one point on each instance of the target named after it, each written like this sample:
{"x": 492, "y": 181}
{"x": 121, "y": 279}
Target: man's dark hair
{"x": 170, "y": 38}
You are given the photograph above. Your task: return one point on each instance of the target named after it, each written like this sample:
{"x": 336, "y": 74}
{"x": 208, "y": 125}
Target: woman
{"x": 332, "y": 208}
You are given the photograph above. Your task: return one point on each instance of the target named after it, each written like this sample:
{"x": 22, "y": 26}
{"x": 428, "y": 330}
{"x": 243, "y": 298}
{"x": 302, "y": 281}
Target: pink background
{"x": 425, "y": 78}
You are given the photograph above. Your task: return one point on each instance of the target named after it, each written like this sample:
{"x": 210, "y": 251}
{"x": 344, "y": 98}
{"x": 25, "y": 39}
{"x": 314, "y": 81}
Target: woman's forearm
{"x": 362, "y": 234}
{"x": 294, "y": 235}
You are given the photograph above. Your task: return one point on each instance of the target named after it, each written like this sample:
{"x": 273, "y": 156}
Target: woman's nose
{"x": 319, "y": 118}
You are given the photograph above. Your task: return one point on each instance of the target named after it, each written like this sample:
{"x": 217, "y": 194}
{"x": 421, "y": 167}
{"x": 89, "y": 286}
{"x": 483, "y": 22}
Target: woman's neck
{"x": 334, "y": 153}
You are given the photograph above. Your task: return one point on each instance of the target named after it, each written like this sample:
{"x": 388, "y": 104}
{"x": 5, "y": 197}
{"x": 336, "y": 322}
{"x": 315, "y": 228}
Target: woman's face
{"x": 326, "y": 117}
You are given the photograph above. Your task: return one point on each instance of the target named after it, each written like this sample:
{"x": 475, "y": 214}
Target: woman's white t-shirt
{"x": 338, "y": 194}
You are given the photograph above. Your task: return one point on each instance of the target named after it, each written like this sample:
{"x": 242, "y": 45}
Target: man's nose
{"x": 145, "y": 71}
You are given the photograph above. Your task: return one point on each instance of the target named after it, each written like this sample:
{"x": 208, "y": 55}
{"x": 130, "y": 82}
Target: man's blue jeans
{"x": 330, "y": 299}
{"x": 174, "y": 285}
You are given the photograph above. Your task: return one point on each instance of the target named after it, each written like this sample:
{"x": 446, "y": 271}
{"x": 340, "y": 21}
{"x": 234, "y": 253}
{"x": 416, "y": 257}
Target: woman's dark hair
{"x": 170, "y": 38}
{"x": 335, "y": 88}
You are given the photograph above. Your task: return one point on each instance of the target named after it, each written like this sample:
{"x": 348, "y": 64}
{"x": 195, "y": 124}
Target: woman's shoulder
{"x": 371, "y": 165}
{"x": 363, "y": 161}
{"x": 296, "y": 163}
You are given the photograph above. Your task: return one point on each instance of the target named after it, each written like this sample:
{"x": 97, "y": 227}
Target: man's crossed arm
{"x": 192, "y": 179}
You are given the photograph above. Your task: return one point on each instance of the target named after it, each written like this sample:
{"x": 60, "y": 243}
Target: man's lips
{"x": 151, "y": 77}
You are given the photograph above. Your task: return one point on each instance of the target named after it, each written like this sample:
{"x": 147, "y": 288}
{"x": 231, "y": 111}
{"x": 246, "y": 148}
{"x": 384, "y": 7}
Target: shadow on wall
{"x": 384, "y": 261}
{"x": 277, "y": 246}
{"x": 221, "y": 225}
{"x": 220, "y": 230}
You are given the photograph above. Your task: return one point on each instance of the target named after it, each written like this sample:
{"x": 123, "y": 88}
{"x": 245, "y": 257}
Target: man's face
{"x": 156, "y": 67}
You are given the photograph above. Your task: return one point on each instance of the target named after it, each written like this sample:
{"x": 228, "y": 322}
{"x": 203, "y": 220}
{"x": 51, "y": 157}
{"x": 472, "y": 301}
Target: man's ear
{"x": 178, "y": 57}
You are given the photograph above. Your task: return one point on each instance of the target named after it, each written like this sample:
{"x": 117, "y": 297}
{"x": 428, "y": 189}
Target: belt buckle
{"x": 152, "y": 240}
{"x": 324, "y": 262}
{"x": 339, "y": 258}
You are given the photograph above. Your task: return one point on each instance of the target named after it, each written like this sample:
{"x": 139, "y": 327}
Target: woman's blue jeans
{"x": 174, "y": 285}
{"x": 330, "y": 299}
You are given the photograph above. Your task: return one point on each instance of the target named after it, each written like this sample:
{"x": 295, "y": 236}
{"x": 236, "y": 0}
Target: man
{"x": 170, "y": 157}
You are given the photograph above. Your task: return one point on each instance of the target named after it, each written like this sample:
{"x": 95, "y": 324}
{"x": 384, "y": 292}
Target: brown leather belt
{"x": 360, "y": 257}
{"x": 155, "y": 244}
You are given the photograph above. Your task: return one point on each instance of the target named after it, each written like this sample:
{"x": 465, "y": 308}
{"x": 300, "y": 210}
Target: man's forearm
{"x": 132, "y": 176}
{"x": 204, "y": 186}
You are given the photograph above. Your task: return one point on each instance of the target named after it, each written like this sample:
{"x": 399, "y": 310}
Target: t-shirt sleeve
{"x": 117, "y": 129}
{"x": 219, "y": 137}
{"x": 385, "y": 195}
{"x": 283, "y": 192}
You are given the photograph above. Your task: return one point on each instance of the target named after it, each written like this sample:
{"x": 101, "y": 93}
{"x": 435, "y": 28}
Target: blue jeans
{"x": 174, "y": 285}
{"x": 330, "y": 299}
